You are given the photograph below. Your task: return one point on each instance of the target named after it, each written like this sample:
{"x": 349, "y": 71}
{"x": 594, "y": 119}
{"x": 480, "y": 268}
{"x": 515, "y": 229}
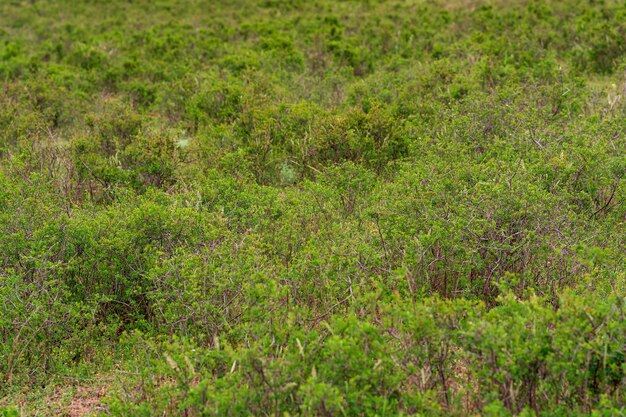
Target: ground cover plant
{"x": 312, "y": 208}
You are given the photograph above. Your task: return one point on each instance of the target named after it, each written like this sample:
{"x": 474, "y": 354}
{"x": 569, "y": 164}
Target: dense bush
{"x": 313, "y": 207}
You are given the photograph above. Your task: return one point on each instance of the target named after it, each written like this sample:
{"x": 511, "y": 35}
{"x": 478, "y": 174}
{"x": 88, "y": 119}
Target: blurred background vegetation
{"x": 312, "y": 208}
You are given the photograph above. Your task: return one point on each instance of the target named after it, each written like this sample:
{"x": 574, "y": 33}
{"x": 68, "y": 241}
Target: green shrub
{"x": 313, "y": 208}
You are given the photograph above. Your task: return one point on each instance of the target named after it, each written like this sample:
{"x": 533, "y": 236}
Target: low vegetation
{"x": 312, "y": 208}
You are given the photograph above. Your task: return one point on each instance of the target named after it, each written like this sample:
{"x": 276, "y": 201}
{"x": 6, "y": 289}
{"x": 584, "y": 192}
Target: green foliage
{"x": 314, "y": 208}
{"x": 8, "y": 412}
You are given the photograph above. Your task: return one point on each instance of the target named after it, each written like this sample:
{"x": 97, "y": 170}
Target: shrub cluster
{"x": 314, "y": 207}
